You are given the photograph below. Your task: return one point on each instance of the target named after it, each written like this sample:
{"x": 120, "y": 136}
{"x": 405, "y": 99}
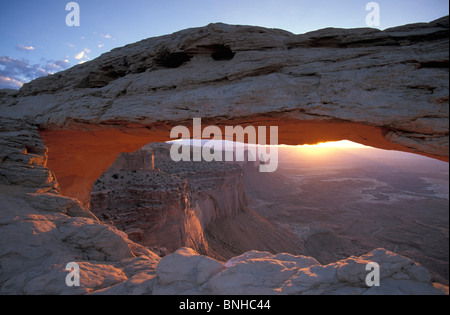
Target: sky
{"x": 36, "y": 41}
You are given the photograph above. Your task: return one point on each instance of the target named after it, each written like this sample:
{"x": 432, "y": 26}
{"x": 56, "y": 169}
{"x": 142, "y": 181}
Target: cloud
{"x": 9, "y": 83}
{"x": 80, "y": 55}
{"x": 24, "y": 48}
{"x": 52, "y": 66}
{"x": 106, "y": 36}
{"x": 15, "y": 72}
{"x": 100, "y": 45}
{"x": 83, "y": 54}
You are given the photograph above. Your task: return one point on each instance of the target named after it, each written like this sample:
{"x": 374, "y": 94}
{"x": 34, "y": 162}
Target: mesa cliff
{"x": 59, "y": 134}
{"x": 162, "y": 204}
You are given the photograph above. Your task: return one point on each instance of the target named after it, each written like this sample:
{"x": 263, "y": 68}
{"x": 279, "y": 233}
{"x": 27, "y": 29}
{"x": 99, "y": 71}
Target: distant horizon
{"x": 324, "y": 148}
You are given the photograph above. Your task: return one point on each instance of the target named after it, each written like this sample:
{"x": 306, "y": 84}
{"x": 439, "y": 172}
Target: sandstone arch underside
{"x": 387, "y": 89}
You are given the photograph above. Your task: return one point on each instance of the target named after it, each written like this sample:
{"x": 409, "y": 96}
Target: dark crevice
{"x": 222, "y": 52}
{"x": 163, "y": 88}
{"x": 425, "y": 87}
{"x": 434, "y": 64}
{"x": 172, "y": 60}
{"x": 101, "y": 78}
{"x": 217, "y": 52}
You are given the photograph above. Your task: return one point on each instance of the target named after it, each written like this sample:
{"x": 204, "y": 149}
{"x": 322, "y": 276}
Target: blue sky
{"x": 35, "y": 40}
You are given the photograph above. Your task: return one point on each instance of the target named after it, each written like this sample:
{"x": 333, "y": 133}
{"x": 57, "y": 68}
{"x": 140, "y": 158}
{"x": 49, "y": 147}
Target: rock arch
{"x": 387, "y": 89}
{"x": 79, "y": 156}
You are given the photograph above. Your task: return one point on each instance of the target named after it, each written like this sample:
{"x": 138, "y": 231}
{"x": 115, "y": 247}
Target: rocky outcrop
{"x": 41, "y": 231}
{"x": 168, "y": 203}
{"x": 161, "y": 203}
{"x": 380, "y": 78}
{"x": 261, "y": 273}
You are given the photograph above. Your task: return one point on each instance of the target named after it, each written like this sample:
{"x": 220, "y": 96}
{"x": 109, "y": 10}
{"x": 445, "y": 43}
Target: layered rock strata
{"x": 41, "y": 231}
{"x": 168, "y": 205}
{"x": 162, "y": 203}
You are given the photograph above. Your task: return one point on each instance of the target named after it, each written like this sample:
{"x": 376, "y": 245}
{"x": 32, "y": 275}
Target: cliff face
{"x": 152, "y": 212}
{"x": 167, "y": 204}
{"x": 41, "y": 230}
{"x": 201, "y": 205}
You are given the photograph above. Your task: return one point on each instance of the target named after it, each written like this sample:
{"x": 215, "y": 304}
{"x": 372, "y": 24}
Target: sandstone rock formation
{"x": 261, "y": 273}
{"x": 383, "y": 88}
{"x": 41, "y": 231}
{"x": 161, "y": 203}
{"x": 163, "y": 206}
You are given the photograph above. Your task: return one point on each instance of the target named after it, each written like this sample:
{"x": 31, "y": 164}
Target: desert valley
{"x": 327, "y": 203}
{"x": 348, "y": 201}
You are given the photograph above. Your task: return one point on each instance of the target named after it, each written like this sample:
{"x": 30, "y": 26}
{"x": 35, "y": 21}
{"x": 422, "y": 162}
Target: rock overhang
{"x": 387, "y": 89}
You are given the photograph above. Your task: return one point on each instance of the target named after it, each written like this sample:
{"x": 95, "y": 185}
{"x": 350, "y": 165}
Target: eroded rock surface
{"x": 41, "y": 231}
{"x": 162, "y": 203}
{"x": 262, "y": 273}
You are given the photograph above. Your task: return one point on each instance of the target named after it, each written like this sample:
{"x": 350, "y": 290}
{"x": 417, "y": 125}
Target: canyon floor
{"x": 347, "y": 203}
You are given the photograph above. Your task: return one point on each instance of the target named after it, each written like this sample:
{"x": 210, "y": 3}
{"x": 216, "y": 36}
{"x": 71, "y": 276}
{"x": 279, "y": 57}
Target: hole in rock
{"x": 222, "y": 52}
{"x": 217, "y": 52}
{"x": 329, "y": 201}
{"x": 172, "y": 60}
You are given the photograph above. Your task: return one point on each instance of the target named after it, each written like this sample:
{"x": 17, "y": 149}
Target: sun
{"x": 336, "y": 144}
{"x": 325, "y": 148}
